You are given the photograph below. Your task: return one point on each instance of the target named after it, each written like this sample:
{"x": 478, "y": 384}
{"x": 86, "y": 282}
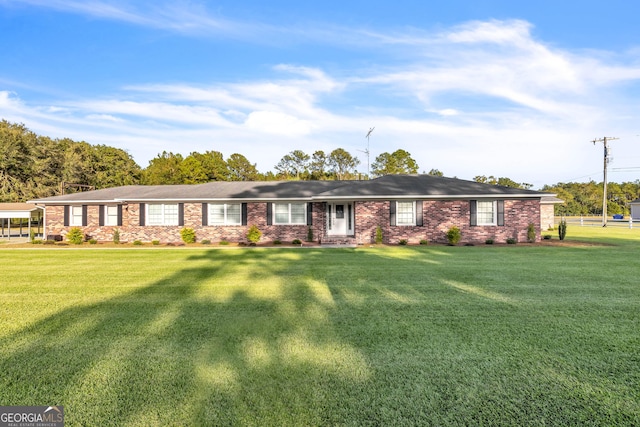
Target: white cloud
{"x": 277, "y": 123}
{"x": 480, "y": 98}
{"x": 448, "y": 112}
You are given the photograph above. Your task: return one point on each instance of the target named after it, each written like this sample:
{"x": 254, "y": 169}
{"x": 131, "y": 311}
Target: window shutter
{"x": 142, "y": 215}
{"x": 181, "y": 214}
{"x": 119, "y": 216}
{"x": 205, "y": 214}
{"x": 84, "y": 215}
{"x": 269, "y": 214}
{"x": 100, "y": 215}
{"x": 309, "y": 213}
{"x": 419, "y": 213}
{"x": 392, "y": 212}
{"x": 67, "y": 208}
{"x": 473, "y": 210}
{"x": 500, "y": 218}
{"x": 244, "y": 214}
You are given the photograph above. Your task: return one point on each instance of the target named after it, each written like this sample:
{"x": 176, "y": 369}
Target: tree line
{"x": 34, "y": 166}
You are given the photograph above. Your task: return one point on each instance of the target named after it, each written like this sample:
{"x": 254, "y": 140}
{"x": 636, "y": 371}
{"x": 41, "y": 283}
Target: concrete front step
{"x": 339, "y": 241}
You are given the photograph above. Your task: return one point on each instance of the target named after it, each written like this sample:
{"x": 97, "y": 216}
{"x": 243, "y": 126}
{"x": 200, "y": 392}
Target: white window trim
{"x": 75, "y": 220}
{"x": 275, "y": 216}
{"x": 225, "y": 220}
{"x": 114, "y": 218}
{"x": 413, "y": 214}
{"x": 164, "y": 220}
{"x": 494, "y": 208}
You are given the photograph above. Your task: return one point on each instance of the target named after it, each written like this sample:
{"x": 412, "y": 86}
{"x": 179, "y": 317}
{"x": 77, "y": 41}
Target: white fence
{"x": 596, "y": 221}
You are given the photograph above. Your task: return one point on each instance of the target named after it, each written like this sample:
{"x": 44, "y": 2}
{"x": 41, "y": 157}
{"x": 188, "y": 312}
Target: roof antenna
{"x": 367, "y": 151}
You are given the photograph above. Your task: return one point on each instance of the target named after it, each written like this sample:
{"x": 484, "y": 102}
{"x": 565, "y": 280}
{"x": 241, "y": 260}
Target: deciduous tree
{"x": 342, "y": 163}
{"x": 398, "y": 162}
{"x": 240, "y": 169}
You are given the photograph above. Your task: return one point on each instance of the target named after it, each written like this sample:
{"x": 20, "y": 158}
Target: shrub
{"x": 296, "y": 242}
{"x": 489, "y": 241}
{"x": 93, "y": 242}
{"x": 511, "y": 241}
{"x": 310, "y": 234}
{"x": 403, "y": 242}
{"x": 75, "y": 236}
{"x": 531, "y": 233}
{"x": 116, "y": 236}
{"x": 454, "y": 235}
{"x": 547, "y": 237}
{"x": 277, "y": 242}
{"x": 254, "y": 234}
{"x": 37, "y": 241}
{"x": 562, "y": 229}
{"x": 424, "y": 242}
{"x": 155, "y": 242}
{"x": 223, "y": 243}
{"x": 137, "y": 243}
{"x": 379, "y": 235}
{"x": 188, "y": 235}
{"x": 205, "y": 241}
{"x": 32, "y": 235}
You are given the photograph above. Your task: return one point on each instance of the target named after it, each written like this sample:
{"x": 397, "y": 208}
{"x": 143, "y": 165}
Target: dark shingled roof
{"x": 425, "y": 186}
{"x": 386, "y": 187}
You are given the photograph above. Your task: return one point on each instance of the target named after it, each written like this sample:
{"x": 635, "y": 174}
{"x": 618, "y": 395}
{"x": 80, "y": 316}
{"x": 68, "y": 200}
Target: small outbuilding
{"x": 18, "y": 220}
{"x": 635, "y": 210}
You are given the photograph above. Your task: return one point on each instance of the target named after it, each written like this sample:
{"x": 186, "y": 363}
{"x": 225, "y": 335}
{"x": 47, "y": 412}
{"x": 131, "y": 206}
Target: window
{"x": 110, "y": 215}
{"x": 75, "y": 219}
{"x": 405, "y": 213}
{"x": 225, "y": 214}
{"x": 290, "y": 213}
{"x": 161, "y": 214}
{"x": 486, "y": 213}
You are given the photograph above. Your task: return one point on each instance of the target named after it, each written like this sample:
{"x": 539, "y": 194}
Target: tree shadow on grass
{"x": 291, "y": 337}
{"x": 180, "y": 352}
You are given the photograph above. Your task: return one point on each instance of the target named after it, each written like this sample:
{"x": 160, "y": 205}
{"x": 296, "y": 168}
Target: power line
{"x": 629, "y": 168}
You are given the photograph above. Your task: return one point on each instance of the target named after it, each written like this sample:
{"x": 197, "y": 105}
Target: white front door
{"x": 340, "y": 219}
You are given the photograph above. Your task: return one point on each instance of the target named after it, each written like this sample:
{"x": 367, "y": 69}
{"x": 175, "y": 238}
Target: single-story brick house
{"x": 405, "y": 207}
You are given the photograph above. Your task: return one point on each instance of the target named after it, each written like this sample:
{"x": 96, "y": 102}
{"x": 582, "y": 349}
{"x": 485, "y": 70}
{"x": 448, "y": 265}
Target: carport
{"x": 18, "y": 220}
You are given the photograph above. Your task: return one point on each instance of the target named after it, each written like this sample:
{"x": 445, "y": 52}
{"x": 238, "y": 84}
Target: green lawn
{"x": 436, "y": 335}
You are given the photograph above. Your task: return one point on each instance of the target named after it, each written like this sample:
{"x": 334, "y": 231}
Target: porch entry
{"x": 340, "y": 219}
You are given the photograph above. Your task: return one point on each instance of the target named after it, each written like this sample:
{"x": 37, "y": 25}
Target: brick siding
{"x": 438, "y": 217}
{"x": 547, "y": 217}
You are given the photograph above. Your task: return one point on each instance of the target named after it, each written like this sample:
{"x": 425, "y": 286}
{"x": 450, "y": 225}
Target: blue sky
{"x": 503, "y": 88}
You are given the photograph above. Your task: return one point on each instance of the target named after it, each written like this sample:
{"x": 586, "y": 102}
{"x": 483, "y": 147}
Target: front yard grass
{"x": 486, "y": 335}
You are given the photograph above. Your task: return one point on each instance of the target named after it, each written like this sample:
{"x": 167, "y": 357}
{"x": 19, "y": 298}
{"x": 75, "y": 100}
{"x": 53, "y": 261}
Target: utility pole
{"x": 606, "y": 162}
